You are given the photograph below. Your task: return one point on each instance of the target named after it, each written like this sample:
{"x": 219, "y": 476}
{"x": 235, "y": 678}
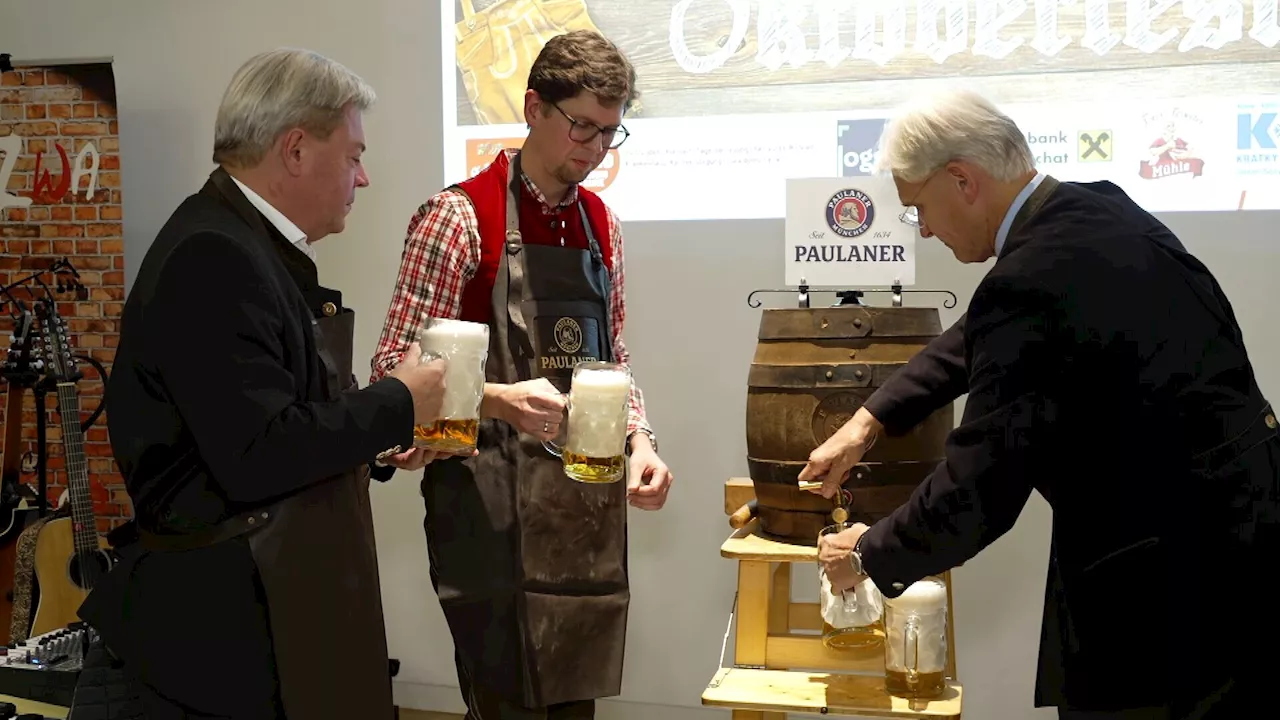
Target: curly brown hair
{"x": 583, "y": 60}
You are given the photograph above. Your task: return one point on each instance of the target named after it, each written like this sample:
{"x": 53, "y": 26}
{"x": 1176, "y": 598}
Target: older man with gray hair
{"x": 1104, "y": 369}
{"x": 248, "y": 582}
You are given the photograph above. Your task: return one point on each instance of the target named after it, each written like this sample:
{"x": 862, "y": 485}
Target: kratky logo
{"x": 1258, "y": 130}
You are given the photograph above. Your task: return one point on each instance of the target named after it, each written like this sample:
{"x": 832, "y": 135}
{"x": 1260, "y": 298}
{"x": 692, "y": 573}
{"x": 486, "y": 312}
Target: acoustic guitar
{"x": 69, "y": 554}
{"x": 17, "y": 501}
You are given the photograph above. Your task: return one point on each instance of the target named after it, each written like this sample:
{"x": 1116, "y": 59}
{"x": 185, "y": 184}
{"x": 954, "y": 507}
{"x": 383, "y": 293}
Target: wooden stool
{"x": 765, "y": 682}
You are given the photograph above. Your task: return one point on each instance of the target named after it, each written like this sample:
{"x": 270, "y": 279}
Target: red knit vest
{"x": 487, "y": 191}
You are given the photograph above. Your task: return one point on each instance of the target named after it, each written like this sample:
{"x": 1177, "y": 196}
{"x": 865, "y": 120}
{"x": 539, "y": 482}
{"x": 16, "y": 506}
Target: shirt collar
{"x": 570, "y": 195}
{"x": 1003, "y": 233}
{"x": 291, "y": 232}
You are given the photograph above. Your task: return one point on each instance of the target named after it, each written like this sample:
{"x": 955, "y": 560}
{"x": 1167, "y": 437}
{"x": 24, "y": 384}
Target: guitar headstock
{"x": 59, "y": 364}
{"x": 23, "y": 356}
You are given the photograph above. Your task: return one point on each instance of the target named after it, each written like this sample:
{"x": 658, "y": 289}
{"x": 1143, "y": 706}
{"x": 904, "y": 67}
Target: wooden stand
{"x": 777, "y": 670}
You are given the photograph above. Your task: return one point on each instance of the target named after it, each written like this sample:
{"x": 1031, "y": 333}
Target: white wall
{"x": 690, "y": 330}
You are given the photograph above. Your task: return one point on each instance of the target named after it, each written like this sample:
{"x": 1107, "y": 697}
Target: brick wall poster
{"x": 60, "y": 198}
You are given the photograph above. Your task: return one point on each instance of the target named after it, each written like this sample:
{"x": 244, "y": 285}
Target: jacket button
{"x": 329, "y": 309}
{"x": 1271, "y": 421}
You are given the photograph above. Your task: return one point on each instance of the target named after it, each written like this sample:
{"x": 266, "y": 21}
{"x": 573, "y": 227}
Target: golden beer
{"x": 465, "y": 345}
{"x": 924, "y": 685}
{"x": 596, "y": 448}
{"x": 594, "y": 470}
{"x": 852, "y": 638}
{"x": 852, "y": 619}
{"x": 915, "y": 647}
{"x": 454, "y": 436}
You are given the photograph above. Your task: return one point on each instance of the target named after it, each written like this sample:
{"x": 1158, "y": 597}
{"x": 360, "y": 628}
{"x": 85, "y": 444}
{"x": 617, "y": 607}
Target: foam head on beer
{"x": 923, "y": 604}
{"x": 466, "y": 347}
{"x": 598, "y": 412}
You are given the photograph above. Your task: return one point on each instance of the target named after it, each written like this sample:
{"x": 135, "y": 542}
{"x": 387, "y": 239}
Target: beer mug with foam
{"x": 465, "y": 345}
{"x": 915, "y": 646}
{"x": 595, "y": 448}
{"x": 853, "y": 618}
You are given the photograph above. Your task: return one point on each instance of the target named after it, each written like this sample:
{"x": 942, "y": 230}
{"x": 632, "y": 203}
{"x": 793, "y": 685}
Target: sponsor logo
{"x": 1050, "y": 148}
{"x": 850, "y": 213}
{"x": 858, "y": 146}
{"x": 1258, "y": 138}
{"x": 1094, "y": 146}
{"x": 1172, "y": 149}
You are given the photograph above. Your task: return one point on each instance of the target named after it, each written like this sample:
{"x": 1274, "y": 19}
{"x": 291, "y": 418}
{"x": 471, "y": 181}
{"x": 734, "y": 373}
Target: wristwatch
{"x": 855, "y": 557}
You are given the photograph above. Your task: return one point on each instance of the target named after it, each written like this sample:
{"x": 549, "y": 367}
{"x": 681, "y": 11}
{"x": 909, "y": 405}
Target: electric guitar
{"x": 69, "y": 554}
{"x": 17, "y": 501}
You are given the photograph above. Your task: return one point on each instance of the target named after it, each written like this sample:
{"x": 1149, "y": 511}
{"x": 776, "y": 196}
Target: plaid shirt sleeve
{"x": 441, "y": 254}
{"x": 636, "y": 419}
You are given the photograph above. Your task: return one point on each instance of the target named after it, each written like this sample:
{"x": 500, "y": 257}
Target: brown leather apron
{"x": 530, "y": 566}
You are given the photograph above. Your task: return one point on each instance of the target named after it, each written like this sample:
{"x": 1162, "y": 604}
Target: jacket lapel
{"x": 1029, "y": 210}
{"x": 301, "y": 268}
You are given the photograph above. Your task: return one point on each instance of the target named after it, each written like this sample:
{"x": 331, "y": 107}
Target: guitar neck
{"x": 82, "y": 518}
{"x": 12, "y": 461}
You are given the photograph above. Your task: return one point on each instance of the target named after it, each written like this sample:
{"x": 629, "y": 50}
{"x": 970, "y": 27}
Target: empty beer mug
{"x": 851, "y": 619}
{"x": 915, "y": 646}
{"x": 466, "y": 347}
{"x": 595, "y": 449}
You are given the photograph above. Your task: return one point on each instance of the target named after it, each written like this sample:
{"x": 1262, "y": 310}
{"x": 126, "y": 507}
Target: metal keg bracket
{"x": 850, "y": 297}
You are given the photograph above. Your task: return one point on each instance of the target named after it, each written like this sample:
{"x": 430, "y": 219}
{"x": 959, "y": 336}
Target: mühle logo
{"x": 1172, "y": 149}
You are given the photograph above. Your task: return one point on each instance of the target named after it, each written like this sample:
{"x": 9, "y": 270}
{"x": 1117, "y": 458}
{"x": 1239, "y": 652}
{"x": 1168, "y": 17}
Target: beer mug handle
{"x": 551, "y": 445}
{"x": 911, "y": 649}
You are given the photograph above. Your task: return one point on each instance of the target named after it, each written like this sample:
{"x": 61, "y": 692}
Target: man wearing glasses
{"x": 530, "y": 567}
{"x": 1104, "y": 368}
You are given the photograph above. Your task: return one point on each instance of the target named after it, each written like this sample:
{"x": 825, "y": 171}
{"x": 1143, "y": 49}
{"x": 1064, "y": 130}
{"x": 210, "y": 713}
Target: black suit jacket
{"x": 216, "y": 407}
{"x": 1104, "y": 369}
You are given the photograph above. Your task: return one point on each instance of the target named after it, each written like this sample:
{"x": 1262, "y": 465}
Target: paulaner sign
{"x": 848, "y": 233}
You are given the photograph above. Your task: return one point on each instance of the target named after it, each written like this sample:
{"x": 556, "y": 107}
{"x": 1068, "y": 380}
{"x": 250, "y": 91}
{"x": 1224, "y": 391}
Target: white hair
{"x": 956, "y": 125}
{"x": 277, "y": 91}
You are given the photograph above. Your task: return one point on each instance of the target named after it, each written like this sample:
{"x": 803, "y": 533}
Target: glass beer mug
{"x": 915, "y": 647}
{"x": 465, "y": 346}
{"x": 853, "y": 618}
{"x": 595, "y": 449}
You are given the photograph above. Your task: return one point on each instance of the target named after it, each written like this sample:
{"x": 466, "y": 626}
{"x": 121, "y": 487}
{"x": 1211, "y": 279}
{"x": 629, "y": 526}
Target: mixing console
{"x": 45, "y": 668}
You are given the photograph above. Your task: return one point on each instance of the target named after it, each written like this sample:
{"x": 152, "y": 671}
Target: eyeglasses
{"x": 911, "y": 216}
{"x": 585, "y": 132}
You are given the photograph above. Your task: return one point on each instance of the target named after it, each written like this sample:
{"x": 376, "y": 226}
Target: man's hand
{"x": 425, "y": 382}
{"x": 649, "y": 480}
{"x": 832, "y": 460}
{"x": 833, "y": 555}
{"x": 418, "y": 458}
{"x": 533, "y": 407}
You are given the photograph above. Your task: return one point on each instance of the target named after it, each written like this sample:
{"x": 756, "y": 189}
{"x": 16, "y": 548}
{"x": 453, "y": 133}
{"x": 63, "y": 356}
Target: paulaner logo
{"x": 850, "y": 213}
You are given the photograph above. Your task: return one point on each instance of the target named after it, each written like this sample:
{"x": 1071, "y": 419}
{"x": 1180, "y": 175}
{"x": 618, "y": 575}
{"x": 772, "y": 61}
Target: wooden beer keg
{"x": 812, "y": 369}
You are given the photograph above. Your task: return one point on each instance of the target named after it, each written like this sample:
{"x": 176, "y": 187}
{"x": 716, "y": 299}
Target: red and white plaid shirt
{"x": 441, "y": 255}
